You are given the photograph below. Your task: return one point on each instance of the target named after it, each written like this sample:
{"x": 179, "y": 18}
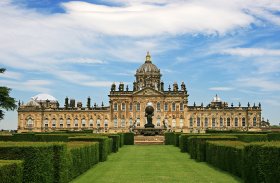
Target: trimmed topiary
{"x": 11, "y": 171}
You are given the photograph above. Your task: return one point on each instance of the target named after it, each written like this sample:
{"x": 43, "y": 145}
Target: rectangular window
{"x": 221, "y": 122}
{"x": 123, "y": 123}
{"x": 83, "y": 122}
{"x": 138, "y": 107}
{"x": 98, "y": 123}
{"x": 76, "y": 122}
{"x": 173, "y": 123}
{"x": 173, "y": 107}
{"x": 206, "y": 122}
{"x": 53, "y": 123}
{"x": 158, "y": 106}
{"x": 138, "y": 122}
{"x": 115, "y": 122}
{"x": 254, "y": 121}
{"x": 106, "y": 123}
{"x": 181, "y": 123}
{"x": 130, "y": 106}
{"x": 191, "y": 122}
{"x": 243, "y": 122}
{"x": 181, "y": 106}
{"x": 115, "y": 107}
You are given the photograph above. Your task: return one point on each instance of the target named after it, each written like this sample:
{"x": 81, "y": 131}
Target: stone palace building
{"x": 127, "y": 109}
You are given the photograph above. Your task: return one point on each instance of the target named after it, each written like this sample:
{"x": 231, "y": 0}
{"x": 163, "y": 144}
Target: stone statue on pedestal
{"x": 149, "y": 113}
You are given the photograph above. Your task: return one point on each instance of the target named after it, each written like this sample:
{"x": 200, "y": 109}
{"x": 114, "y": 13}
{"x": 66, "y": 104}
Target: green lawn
{"x": 152, "y": 164}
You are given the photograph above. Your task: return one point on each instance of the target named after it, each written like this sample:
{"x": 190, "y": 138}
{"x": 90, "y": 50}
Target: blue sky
{"x": 78, "y": 48}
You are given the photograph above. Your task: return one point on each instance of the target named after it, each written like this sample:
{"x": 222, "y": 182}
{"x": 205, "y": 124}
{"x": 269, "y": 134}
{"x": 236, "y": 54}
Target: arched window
{"x": 165, "y": 106}
{"x": 236, "y": 122}
{"x": 76, "y": 122}
{"x": 228, "y": 121}
{"x": 61, "y": 122}
{"x": 173, "y": 106}
{"x": 206, "y": 122}
{"x": 243, "y": 122}
{"x": 158, "y": 106}
{"x": 83, "y": 122}
{"x": 158, "y": 121}
{"x": 115, "y": 106}
{"x": 46, "y": 122}
{"x": 138, "y": 121}
{"x": 68, "y": 122}
{"x": 30, "y": 122}
{"x": 213, "y": 122}
{"x": 138, "y": 106}
{"x": 115, "y": 122}
{"x": 198, "y": 121}
{"x": 254, "y": 121}
{"x": 53, "y": 123}
{"x": 123, "y": 106}
{"x": 221, "y": 122}
{"x": 91, "y": 122}
{"x": 98, "y": 123}
{"x": 191, "y": 121}
{"x": 106, "y": 123}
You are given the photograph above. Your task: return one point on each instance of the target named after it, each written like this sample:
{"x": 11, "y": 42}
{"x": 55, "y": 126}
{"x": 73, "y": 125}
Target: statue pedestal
{"x": 149, "y": 125}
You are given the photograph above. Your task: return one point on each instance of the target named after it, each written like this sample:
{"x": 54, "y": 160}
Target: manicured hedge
{"x": 273, "y": 136}
{"x": 38, "y": 159}
{"x": 81, "y": 157}
{"x": 55, "y": 137}
{"x": 116, "y": 142}
{"x": 104, "y": 144}
{"x": 252, "y": 137}
{"x": 196, "y": 145}
{"x": 11, "y": 171}
{"x": 262, "y": 162}
{"x": 176, "y": 139}
{"x": 129, "y": 138}
{"x": 226, "y": 155}
{"x": 121, "y": 139}
{"x": 169, "y": 138}
{"x": 183, "y": 140}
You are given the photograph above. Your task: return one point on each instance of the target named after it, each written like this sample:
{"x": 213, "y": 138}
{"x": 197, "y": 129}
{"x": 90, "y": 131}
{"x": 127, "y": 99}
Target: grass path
{"x": 153, "y": 164}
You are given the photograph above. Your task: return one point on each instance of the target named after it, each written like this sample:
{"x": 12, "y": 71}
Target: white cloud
{"x": 262, "y": 83}
{"x": 11, "y": 75}
{"x": 41, "y": 86}
{"x": 249, "y": 52}
{"x": 221, "y": 88}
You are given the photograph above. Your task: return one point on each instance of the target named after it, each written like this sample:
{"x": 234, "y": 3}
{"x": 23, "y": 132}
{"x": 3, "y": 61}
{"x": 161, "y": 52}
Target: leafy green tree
{"x": 6, "y": 102}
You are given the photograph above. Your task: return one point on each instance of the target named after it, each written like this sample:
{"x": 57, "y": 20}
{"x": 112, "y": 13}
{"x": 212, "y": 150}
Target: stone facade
{"x": 127, "y": 109}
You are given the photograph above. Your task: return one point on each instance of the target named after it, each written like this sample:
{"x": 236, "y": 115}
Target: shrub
{"x": 129, "y": 138}
{"x": 38, "y": 159}
{"x": 11, "y": 171}
{"x": 226, "y": 155}
{"x": 183, "y": 141}
{"x": 262, "y": 162}
{"x": 104, "y": 144}
{"x": 273, "y": 136}
{"x": 169, "y": 138}
{"x": 116, "y": 142}
{"x": 176, "y": 139}
{"x": 251, "y": 137}
{"x": 81, "y": 156}
{"x": 196, "y": 145}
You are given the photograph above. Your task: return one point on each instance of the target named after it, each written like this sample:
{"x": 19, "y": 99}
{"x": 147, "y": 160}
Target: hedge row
{"x": 51, "y": 162}
{"x": 121, "y": 139}
{"x": 252, "y": 137}
{"x": 273, "y": 136}
{"x": 11, "y": 171}
{"x": 183, "y": 141}
{"x": 197, "y": 145}
{"x": 226, "y": 155}
{"x": 262, "y": 162}
{"x": 81, "y": 156}
{"x": 129, "y": 138}
{"x": 105, "y": 144}
{"x": 38, "y": 159}
{"x": 116, "y": 142}
{"x": 168, "y": 138}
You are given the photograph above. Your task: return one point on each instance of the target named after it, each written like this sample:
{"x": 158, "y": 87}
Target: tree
{"x": 6, "y": 102}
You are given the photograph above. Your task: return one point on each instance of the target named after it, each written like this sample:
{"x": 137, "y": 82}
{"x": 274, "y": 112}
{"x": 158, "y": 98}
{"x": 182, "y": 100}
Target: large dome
{"x": 148, "y": 67}
{"x": 43, "y": 97}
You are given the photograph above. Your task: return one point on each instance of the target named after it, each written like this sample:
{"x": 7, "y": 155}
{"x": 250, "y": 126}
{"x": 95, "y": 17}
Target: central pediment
{"x": 148, "y": 92}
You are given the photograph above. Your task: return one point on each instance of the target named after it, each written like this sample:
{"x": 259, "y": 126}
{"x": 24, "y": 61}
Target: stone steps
{"x": 149, "y": 140}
